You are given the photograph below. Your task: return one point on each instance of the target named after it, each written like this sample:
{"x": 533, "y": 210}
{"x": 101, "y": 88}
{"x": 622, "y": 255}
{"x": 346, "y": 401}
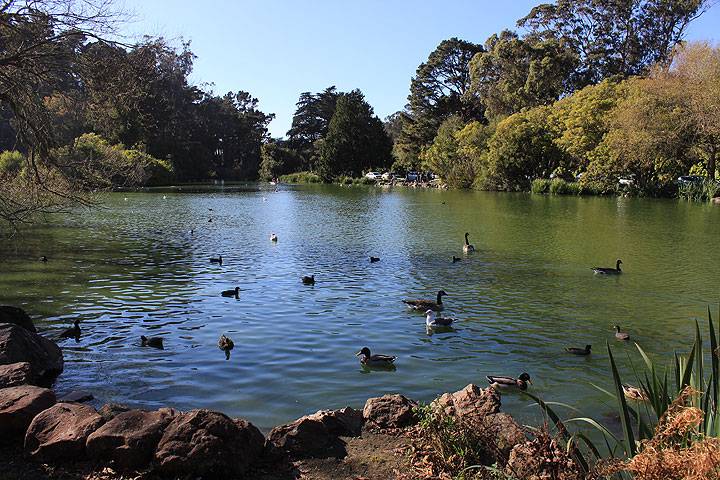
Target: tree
{"x": 311, "y": 121}
{"x": 448, "y": 155}
{"x": 278, "y": 159}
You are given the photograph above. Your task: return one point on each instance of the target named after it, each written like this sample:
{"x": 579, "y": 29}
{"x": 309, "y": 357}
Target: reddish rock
{"x": 112, "y": 410}
{"x": 77, "y": 396}
{"x": 130, "y": 438}
{"x": 208, "y": 444}
{"x": 470, "y": 403}
{"x": 16, "y": 316}
{"x": 60, "y": 432}
{"x": 19, "y": 373}
{"x": 390, "y": 411}
{"x": 20, "y": 345}
{"x": 346, "y": 422}
{"x": 306, "y": 438}
{"x": 19, "y": 405}
{"x": 506, "y": 434}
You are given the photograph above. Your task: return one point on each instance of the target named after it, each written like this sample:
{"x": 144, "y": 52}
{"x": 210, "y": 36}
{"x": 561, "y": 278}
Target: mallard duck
{"x": 467, "y": 248}
{"x": 579, "y": 351}
{"x": 231, "y": 293}
{"x": 225, "y": 343}
{"x": 374, "y": 259}
{"x": 43, "y": 259}
{"x": 217, "y": 260}
{"x": 376, "y": 360}
{"x": 621, "y": 335}
{"x": 308, "y": 280}
{"x": 432, "y": 321}
{"x": 609, "y": 271}
{"x": 456, "y": 259}
{"x": 154, "y": 342}
{"x": 634, "y": 393}
{"x": 273, "y": 237}
{"x": 500, "y": 381}
{"x": 72, "y": 332}
{"x": 427, "y": 304}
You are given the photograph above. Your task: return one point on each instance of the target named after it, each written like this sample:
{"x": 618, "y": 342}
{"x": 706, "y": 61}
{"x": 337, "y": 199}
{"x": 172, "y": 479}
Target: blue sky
{"x": 276, "y": 49}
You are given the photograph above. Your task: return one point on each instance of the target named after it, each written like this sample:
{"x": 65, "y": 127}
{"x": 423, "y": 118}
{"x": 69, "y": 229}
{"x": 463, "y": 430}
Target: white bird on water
{"x": 432, "y": 321}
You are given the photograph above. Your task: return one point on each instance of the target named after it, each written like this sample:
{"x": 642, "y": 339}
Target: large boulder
{"x": 19, "y": 405}
{"x": 16, "y": 316}
{"x": 60, "y": 432}
{"x": 20, "y": 345}
{"x": 112, "y": 410}
{"x": 505, "y": 434}
{"x": 316, "y": 435}
{"x": 208, "y": 444}
{"x": 390, "y": 411}
{"x": 19, "y": 373}
{"x": 346, "y": 422}
{"x": 471, "y": 403}
{"x": 129, "y": 439}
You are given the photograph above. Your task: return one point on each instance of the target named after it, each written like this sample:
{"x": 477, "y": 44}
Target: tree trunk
{"x": 711, "y": 163}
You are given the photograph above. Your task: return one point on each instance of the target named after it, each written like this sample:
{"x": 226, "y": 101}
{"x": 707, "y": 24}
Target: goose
{"x": 621, "y": 335}
{"x": 217, "y": 260}
{"x": 231, "y": 293}
{"x": 164, "y": 197}
{"x": 432, "y": 321}
{"x": 376, "y": 360}
{"x": 579, "y": 351}
{"x": 308, "y": 280}
{"x": 427, "y": 304}
{"x": 456, "y": 259}
{"x": 225, "y": 343}
{"x": 374, "y": 259}
{"x": 43, "y": 259}
{"x": 209, "y": 220}
{"x": 273, "y": 237}
{"x": 609, "y": 271}
{"x": 634, "y": 393}
{"x": 467, "y": 248}
{"x": 500, "y": 381}
{"x": 154, "y": 342}
{"x": 72, "y": 332}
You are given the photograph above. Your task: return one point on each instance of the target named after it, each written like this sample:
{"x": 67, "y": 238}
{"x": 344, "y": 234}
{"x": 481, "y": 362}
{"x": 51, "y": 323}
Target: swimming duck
{"x": 376, "y": 360}
{"x": 231, "y": 293}
{"x": 154, "y": 342}
{"x": 432, "y": 321}
{"x": 579, "y": 351}
{"x": 634, "y": 393}
{"x": 456, "y": 259}
{"x": 499, "y": 381}
{"x": 217, "y": 260}
{"x": 609, "y": 271}
{"x": 273, "y": 237}
{"x": 43, "y": 259}
{"x": 374, "y": 259}
{"x": 308, "y": 280}
{"x": 72, "y": 332}
{"x": 225, "y": 343}
{"x": 621, "y": 335}
{"x": 427, "y": 304}
{"x": 467, "y": 248}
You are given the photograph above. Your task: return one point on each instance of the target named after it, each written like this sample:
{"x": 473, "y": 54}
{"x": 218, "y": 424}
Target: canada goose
{"x": 308, "y": 280}
{"x": 43, "y": 259}
{"x": 634, "y": 393}
{"x": 621, "y": 335}
{"x": 456, "y": 259}
{"x": 579, "y": 351}
{"x": 273, "y": 237}
{"x": 217, "y": 260}
{"x": 376, "y": 360}
{"x": 432, "y": 321}
{"x": 427, "y": 304}
{"x": 231, "y": 293}
{"x": 374, "y": 259}
{"x": 72, "y": 332}
{"x": 609, "y": 271}
{"x": 154, "y": 342}
{"x": 499, "y": 381}
{"x": 225, "y": 343}
{"x": 467, "y": 248}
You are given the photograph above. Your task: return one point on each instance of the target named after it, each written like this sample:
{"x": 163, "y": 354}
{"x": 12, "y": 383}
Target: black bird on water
{"x": 72, "y": 332}
{"x": 217, "y": 260}
{"x": 154, "y": 342}
{"x": 456, "y": 259}
{"x": 308, "y": 280}
{"x": 579, "y": 351}
{"x": 231, "y": 293}
{"x": 43, "y": 259}
{"x": 374, "y": 259}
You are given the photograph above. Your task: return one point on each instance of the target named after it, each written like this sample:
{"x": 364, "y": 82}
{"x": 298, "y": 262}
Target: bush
{"x": 301, "y": 177}
{"x": 558, "y": 186}
{"x": 540, "y": 186}
{"x": 699, "y": 191}
{"x": 11, "y": 161}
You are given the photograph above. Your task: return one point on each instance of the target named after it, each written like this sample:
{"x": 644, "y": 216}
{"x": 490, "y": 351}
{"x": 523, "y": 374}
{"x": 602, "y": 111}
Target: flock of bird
{"x": 432, "y": 321}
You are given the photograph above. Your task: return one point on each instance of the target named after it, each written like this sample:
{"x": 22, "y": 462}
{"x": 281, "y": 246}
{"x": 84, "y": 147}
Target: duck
{"x": 72, "y": 332}
{"x": 579, "y": 351}
{"x": 500, "y": 381}
{"x": 154, "y": 342}
{"x": 427, "y": 304}
{"x": 467, "y": 248}
{"x": 634, "y": 393}
{"x": 374, "y": 259}
{"x": 432, "y": 321}
{"x": 377, "y": 360}
{"x": 217, "y": 260}
{"x": 225, "y": 343}
{"x": 231, "y": 293}
{"x": 456, "y": 259}
{"x": 43, "y": 259}
{"x": 308, "y": 280}
{"x": 273, "y": 237}
{"x": 609, "y": 271}
{"x": 621, "y": 335}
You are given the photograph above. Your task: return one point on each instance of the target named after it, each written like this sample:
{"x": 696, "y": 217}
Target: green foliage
{"x": 311, "y": 122}
{"x": 11, "y": 162}
{"x": 540, "y": 185}
{"x": 699, "y": 191}
{"x": 301, "y": 177}
{"x": 277, "y": 160}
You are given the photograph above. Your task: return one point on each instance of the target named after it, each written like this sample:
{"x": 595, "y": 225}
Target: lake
{"x": 132, "y": 267}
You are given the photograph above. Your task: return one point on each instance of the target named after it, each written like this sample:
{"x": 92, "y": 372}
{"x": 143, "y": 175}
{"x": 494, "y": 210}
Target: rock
{"x": 19, "y": 405}
{"x": 111, "y": 410}
{"x": 20, "y": 345}
{"x": 129, "y": 439}
{"x": 77, "y": 396}
{"x": 16, "y": 316}
{"x": 60, "y": 432}
{"x": 541, "y": 459}
{"x": 346, "y": 422}
{"x": 306, "y": 437}
{"x": 716, "y": 200}
{"x": 390, "y": 411}
{"x": 208, "y": 444}
{"x": 19, "y": 373}
{"x": 471, "y": 403}
{"x": 505, "y": 433}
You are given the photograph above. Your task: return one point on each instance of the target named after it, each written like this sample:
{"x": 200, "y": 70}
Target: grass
{"x": 558, "y": 186}
{"x": 699, "y": 191}
{"x": 301, "y": 177}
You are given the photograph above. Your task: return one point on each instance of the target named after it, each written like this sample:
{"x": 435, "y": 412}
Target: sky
{"x": 276, "y": 49}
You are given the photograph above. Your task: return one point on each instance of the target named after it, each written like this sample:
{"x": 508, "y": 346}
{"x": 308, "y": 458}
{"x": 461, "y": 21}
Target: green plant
{"x": 558, "y": 186}
{"x": 540, "y": 186}
{"x": 699, "y": 191}
{"x": 11, "y": 161}
{"x": 301, "y": 177}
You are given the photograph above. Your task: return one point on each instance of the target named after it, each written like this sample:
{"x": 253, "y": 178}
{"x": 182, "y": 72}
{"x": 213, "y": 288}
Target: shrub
{"x": 558, "y": 186}
{"x": 540, "y": 186}
{"x": 11, "y": 161}
{"x": 301, "y": 177}
{"x": 699, "y": 191}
